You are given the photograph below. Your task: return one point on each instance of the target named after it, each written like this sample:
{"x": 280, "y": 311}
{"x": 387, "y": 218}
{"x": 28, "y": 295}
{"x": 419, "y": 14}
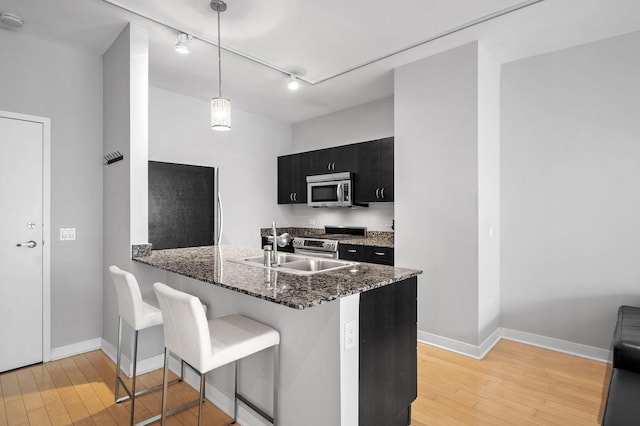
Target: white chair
{"x": 139, "y": 315}
{"x": 206, "y": 345}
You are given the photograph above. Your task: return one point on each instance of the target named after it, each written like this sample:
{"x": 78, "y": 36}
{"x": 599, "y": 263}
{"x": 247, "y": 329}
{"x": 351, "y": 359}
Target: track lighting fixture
{"x": 293, "y": 84}
{"x": 183, "y": 44}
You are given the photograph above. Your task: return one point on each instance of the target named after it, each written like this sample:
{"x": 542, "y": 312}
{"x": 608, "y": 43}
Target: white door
{"x": 21, "y": 235}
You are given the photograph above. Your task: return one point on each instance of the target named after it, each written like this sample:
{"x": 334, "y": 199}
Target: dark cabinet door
{"x": 388, "y": 355}
{"x": 302, "y": 165}
{"x": 365, "y": 180}
{"x": 374, "y": 171}
{"x": 332, "y": 160}
{"x": 380, "y": 255}
{"x": 292, "y": 174}
{"x": 352, "y": 252}
{"x": 385, "y": 181}
{"x": 285, "y": 179}
{"x": 370, "y": 254}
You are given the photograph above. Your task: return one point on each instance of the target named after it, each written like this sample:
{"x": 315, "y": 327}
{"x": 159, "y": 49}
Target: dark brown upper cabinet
{"x": 332, "y": 160}
{"x": 370, "y": 162}
{"x": 373, "y": 173}
{"x": 292, "y": 178}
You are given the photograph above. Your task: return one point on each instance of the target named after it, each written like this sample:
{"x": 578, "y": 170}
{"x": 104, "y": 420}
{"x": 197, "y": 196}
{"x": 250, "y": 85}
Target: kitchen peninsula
{"x": 348, "y": 336}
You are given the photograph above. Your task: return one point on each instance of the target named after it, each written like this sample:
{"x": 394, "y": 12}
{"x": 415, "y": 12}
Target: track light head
{"x": 293, "y": 84}
{"x": 183, "y": 44}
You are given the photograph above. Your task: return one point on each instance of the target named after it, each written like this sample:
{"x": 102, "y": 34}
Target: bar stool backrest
{"x": 130, "y": 306}
{"x": 186, "y": 331}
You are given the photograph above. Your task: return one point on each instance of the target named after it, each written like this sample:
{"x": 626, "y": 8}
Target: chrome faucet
{"x": 274, "y": 253}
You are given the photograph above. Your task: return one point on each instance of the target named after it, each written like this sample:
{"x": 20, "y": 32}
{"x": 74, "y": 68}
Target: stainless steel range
{"x": 326, "y": 245}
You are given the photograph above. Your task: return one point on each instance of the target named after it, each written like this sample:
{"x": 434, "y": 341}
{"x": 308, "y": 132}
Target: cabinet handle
{"x": 352, "y": 251}
{"x": 291, "y": 196}
{"x": 333, "y": 166}
{"x": 295, "y": 196}
{"x": 382, "y": 193}
{"x": 329, "y": 166}
{"x": 377, "y": 192}
{"x": 379, "y": 253}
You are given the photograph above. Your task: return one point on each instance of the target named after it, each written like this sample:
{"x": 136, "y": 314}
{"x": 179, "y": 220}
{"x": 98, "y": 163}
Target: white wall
{"x": 436, "y": 184}
{"x": 488, "y": 193}
{"x": 570, "y": 156}
{"x": 370, "y": 121}
{"x": 45, "y": 79}
{"x": 125, "y": 191}
{"x": 448, "y": 193}
{"x": 179, "y": 132}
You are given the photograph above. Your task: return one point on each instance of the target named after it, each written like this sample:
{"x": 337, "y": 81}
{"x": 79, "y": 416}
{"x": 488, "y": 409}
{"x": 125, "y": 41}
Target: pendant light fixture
{"x": 220, "y": 107}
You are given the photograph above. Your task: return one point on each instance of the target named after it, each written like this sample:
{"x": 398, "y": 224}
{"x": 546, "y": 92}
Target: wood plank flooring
{"x": 515, "y": 384}
{"x": 79, "y": 391}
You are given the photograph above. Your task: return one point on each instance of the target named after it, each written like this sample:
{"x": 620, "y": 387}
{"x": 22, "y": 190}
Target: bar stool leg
{"x": 276, "y": 382}
{"x": 133, "y": 380}
{"x": 203, "y": 377}
{"x": 165, "y": 385}
{"x": 118, "y": 352}
{"x": 236, "y": 367}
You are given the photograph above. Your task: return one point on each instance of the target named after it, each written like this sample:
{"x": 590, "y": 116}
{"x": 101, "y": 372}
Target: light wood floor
{"x": 515, "y": 384}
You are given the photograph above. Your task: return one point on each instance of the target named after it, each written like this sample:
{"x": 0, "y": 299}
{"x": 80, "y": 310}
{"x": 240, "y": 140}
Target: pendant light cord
{"x": 219, "y": 60}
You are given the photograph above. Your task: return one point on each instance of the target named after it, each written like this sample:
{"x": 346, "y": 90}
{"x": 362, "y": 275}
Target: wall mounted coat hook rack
{"x": 112, "y": 157}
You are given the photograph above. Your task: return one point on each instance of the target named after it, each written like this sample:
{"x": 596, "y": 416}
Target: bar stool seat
{"x": 206, "y": 345}
{"x": 139, "y": 315}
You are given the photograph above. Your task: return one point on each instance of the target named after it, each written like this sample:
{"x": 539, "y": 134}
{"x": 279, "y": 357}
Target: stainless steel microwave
{"x": 332, "y": 190}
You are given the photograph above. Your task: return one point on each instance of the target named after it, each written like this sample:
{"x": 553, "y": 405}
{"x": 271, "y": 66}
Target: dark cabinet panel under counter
{"x": 369, "y": 254}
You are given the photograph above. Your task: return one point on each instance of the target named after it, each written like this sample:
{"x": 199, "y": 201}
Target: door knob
{"x": 30, "y": 244}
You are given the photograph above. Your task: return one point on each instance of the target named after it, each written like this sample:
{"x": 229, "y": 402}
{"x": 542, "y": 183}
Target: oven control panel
{"x": 315, "y": 244}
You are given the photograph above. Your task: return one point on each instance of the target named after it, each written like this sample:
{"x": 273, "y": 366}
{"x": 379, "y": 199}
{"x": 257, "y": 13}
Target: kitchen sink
{"x": 283, "y": 257}
{"x": 300, "y": 265}
{"x": 316, "y": 265}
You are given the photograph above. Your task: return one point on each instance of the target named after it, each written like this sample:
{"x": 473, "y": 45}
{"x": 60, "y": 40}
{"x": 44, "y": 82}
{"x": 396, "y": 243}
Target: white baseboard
{"x": 479, "y": 352}
{"x": 144, "y": 365}
{"x": 557, "y": 345}
{"x": 75, "y": 348}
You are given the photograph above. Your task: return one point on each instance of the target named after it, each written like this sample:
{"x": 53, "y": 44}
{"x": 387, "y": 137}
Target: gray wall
{"x": 570, "y": 209}
{"x": 45, "y": 79}
{"x": 436, "y": 188}
{"x": 370, "y": 121}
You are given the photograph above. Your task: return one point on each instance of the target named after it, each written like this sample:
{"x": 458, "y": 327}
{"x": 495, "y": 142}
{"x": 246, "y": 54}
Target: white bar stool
{"x": 206, "y": 345}
{"x": 139, "y": 315}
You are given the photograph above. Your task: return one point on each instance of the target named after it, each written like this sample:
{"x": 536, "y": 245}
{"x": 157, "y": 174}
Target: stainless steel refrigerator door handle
{"x": 30, "y": 244}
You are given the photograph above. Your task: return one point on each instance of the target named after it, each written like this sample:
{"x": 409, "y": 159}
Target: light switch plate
{"x": 67, "y": 234}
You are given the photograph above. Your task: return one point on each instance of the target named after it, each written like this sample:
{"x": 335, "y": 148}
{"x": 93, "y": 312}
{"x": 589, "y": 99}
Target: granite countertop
{"x": 214, "y": 265}
{"x": 373, "y": 238}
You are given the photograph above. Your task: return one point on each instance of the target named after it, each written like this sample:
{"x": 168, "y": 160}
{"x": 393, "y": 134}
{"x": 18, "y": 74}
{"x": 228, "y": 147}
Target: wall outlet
{"x": 350, "y": 340}
{"x": 312, "y": 221}
{"x": 67, "y": 234}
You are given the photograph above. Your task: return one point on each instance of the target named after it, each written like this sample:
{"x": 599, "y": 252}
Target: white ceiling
{"x": 325, "y": 38}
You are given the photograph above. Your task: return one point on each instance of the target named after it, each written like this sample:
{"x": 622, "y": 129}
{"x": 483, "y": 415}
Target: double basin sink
{"x": 297, "y": 264}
